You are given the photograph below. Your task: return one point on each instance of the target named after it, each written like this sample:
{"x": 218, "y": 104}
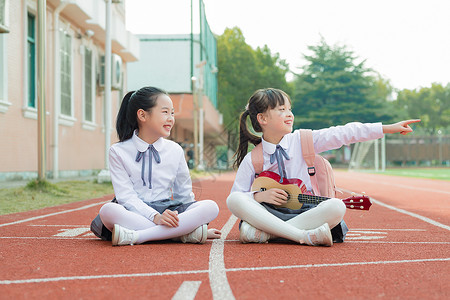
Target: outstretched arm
{"x": 401, "y": 127}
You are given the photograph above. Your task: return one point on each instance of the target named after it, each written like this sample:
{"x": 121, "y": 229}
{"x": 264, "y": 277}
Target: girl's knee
{"x": 212, "y": 207}
{"x": 105, "y": 209}
{"x": 207, "y": 208}
{"x": 337, "y": 208}
{"x": 109, "y": 209}
{"x": 334, "y": 206}
{"x": 234, "y": 199}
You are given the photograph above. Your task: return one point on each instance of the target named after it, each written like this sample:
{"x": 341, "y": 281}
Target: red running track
{"x": 397, "y": 250}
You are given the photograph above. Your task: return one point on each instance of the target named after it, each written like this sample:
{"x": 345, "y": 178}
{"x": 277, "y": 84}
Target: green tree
{"x": 237, "y": 73}
{"x": 243, "y": 70}
{"x": 333, "y": 89}
{"x": 430, "y": 104}
{"x": 272, "y": 70}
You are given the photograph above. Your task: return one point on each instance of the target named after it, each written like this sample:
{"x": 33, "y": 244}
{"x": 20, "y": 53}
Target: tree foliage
{"x": 430, "y": 104}
{"x": 243, "y": 70}
{"x": 333, "y": 89}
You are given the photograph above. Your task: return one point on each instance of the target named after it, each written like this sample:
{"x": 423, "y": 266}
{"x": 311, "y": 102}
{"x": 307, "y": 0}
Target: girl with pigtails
{"x": 270, "y": 113}
{"x": 153, "y": 189}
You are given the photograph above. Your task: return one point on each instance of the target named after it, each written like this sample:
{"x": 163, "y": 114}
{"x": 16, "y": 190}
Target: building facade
{"x": 185, "y": 65}
{"x": 74, "y": 85}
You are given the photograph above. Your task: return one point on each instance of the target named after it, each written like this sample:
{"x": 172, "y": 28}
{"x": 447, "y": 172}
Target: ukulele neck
{"x": 311, "y": 199}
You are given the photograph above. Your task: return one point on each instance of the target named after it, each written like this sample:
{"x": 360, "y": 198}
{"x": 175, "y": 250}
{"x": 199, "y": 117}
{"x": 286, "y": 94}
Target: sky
{"x": 406, "y": 41}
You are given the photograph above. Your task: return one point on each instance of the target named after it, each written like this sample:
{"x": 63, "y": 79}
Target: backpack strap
{"x": 257, "y": 159}
{"x": 309, "y": 155}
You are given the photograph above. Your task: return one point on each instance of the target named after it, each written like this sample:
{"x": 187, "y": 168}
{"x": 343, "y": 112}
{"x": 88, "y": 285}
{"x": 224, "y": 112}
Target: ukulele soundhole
{"x": 262, "y": 189}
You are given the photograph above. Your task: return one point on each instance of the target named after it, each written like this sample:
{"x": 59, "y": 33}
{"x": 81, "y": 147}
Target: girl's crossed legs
{"x": 248, "y": 209}
{"x": 197, "y": 214}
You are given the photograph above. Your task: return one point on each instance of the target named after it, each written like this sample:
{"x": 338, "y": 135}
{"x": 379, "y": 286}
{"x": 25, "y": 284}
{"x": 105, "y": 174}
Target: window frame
{"x": 4, "y": 103}
{"x": 31, "y": 63}
{"x": 29, "y": 112}
{"x": 66, "y": 119}
{"x": 89, "y": 124}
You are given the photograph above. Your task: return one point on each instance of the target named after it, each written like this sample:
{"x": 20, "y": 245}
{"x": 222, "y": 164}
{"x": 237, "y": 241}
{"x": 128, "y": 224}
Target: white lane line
{"x": 383, "y": 242}
{"x": 56, "y": 279}
{"x": 227, "y": 241}
{"x": 217, "y": 273}
{"x": 73, "y": 232}
{"x": 50, "y": 238}
{"x": 364, "y": 238}
{"x": 340, "y": 264}
{"x": 384, "y": 229}
{"x": 56, "y": 225}
{"x": 425, "y": 219}
{"x": 52, "y": 214}
{"x": 187, "y": 290}
{"x": 408, "y": 187}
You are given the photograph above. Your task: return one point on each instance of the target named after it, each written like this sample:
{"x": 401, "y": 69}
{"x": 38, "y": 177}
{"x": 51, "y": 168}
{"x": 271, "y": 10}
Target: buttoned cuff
{"x": 152, "y": 216}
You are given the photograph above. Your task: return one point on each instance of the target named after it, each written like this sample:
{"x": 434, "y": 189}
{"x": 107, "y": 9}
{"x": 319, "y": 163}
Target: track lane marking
{"x": 227, "y": 241}
{"x": 56, "y": 279}
{"x": 217, "y": 273}
{"x": 187, "y": 290}
{"x": 340, "y": 264}
{"x": 53, "y": 214}
{"x": 422, "y": 218}
{"x": 408, "y": 187}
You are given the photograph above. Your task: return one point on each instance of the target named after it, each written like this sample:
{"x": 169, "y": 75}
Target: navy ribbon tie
{"x": 153, "y": 152}
{"x": 278, "y": 155}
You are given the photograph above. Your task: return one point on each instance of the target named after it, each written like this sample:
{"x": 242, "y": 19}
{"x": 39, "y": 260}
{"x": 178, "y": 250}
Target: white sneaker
{"x": 250, "y": 234}
{"x": 321, "y": 236}
{"x": 198, "y": 236}
{"x": 122, "y": 236}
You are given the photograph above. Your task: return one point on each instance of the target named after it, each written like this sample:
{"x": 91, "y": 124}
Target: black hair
{"x": 261, "y": 101}
{"x": 144, "y": 98}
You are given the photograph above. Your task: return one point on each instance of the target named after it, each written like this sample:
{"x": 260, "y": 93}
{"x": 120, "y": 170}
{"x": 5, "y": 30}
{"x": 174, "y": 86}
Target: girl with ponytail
{"x": 153, "y": 189}
{"x": 269, "y": 111}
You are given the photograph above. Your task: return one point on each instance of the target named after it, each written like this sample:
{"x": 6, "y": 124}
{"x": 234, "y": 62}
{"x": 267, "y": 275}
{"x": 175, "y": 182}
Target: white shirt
{"x": 170, "y": 177}
{"x": 324, "y": 139}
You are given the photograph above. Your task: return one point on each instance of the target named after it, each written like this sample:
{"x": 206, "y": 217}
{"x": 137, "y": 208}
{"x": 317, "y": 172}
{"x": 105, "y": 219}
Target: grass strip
{"x": 39, "y": 194}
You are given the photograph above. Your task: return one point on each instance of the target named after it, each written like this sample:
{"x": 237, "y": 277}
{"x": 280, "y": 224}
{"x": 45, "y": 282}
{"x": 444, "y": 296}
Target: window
{"x": 31, "y": 61}
{"x": 88, "y": 90}
{"x": 4, "y": 19}
{"x": 88, "y": 85}
{"x": 2, "y": 12}
{"x": 4, "y": 104}
{"x": 66, "y": 74}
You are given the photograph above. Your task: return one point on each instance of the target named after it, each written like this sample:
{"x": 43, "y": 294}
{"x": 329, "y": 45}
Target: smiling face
{"x": 277, "y": 122}
{"x": 157, "y": 122}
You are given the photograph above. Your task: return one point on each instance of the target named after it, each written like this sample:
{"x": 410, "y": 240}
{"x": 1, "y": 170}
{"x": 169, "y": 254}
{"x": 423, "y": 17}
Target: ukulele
{"x": 298, "y": 194}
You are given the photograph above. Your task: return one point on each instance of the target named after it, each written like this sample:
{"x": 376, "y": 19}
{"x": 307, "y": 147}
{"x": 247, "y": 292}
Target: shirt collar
{"x": 142, "y": 145}
{"x": 270, "y": 148}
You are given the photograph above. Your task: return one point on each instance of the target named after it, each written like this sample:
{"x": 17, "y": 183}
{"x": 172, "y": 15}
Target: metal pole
{"x": 441, "y": 160}
{"x": 195, "y": 118}
{"x": 107, "y": 83}
{"x": 56, "y": 87}
{"x": 375, "y": 148}
{"x": 201, "y": 163}
{"x": 383, "y": 154}
{"x": 42, "y": 8}
{"x": 104, "y": 175}
{"x": 192, "y": 46}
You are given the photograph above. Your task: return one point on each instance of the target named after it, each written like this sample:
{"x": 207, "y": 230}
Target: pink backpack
{"x": 319, "y": 169}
